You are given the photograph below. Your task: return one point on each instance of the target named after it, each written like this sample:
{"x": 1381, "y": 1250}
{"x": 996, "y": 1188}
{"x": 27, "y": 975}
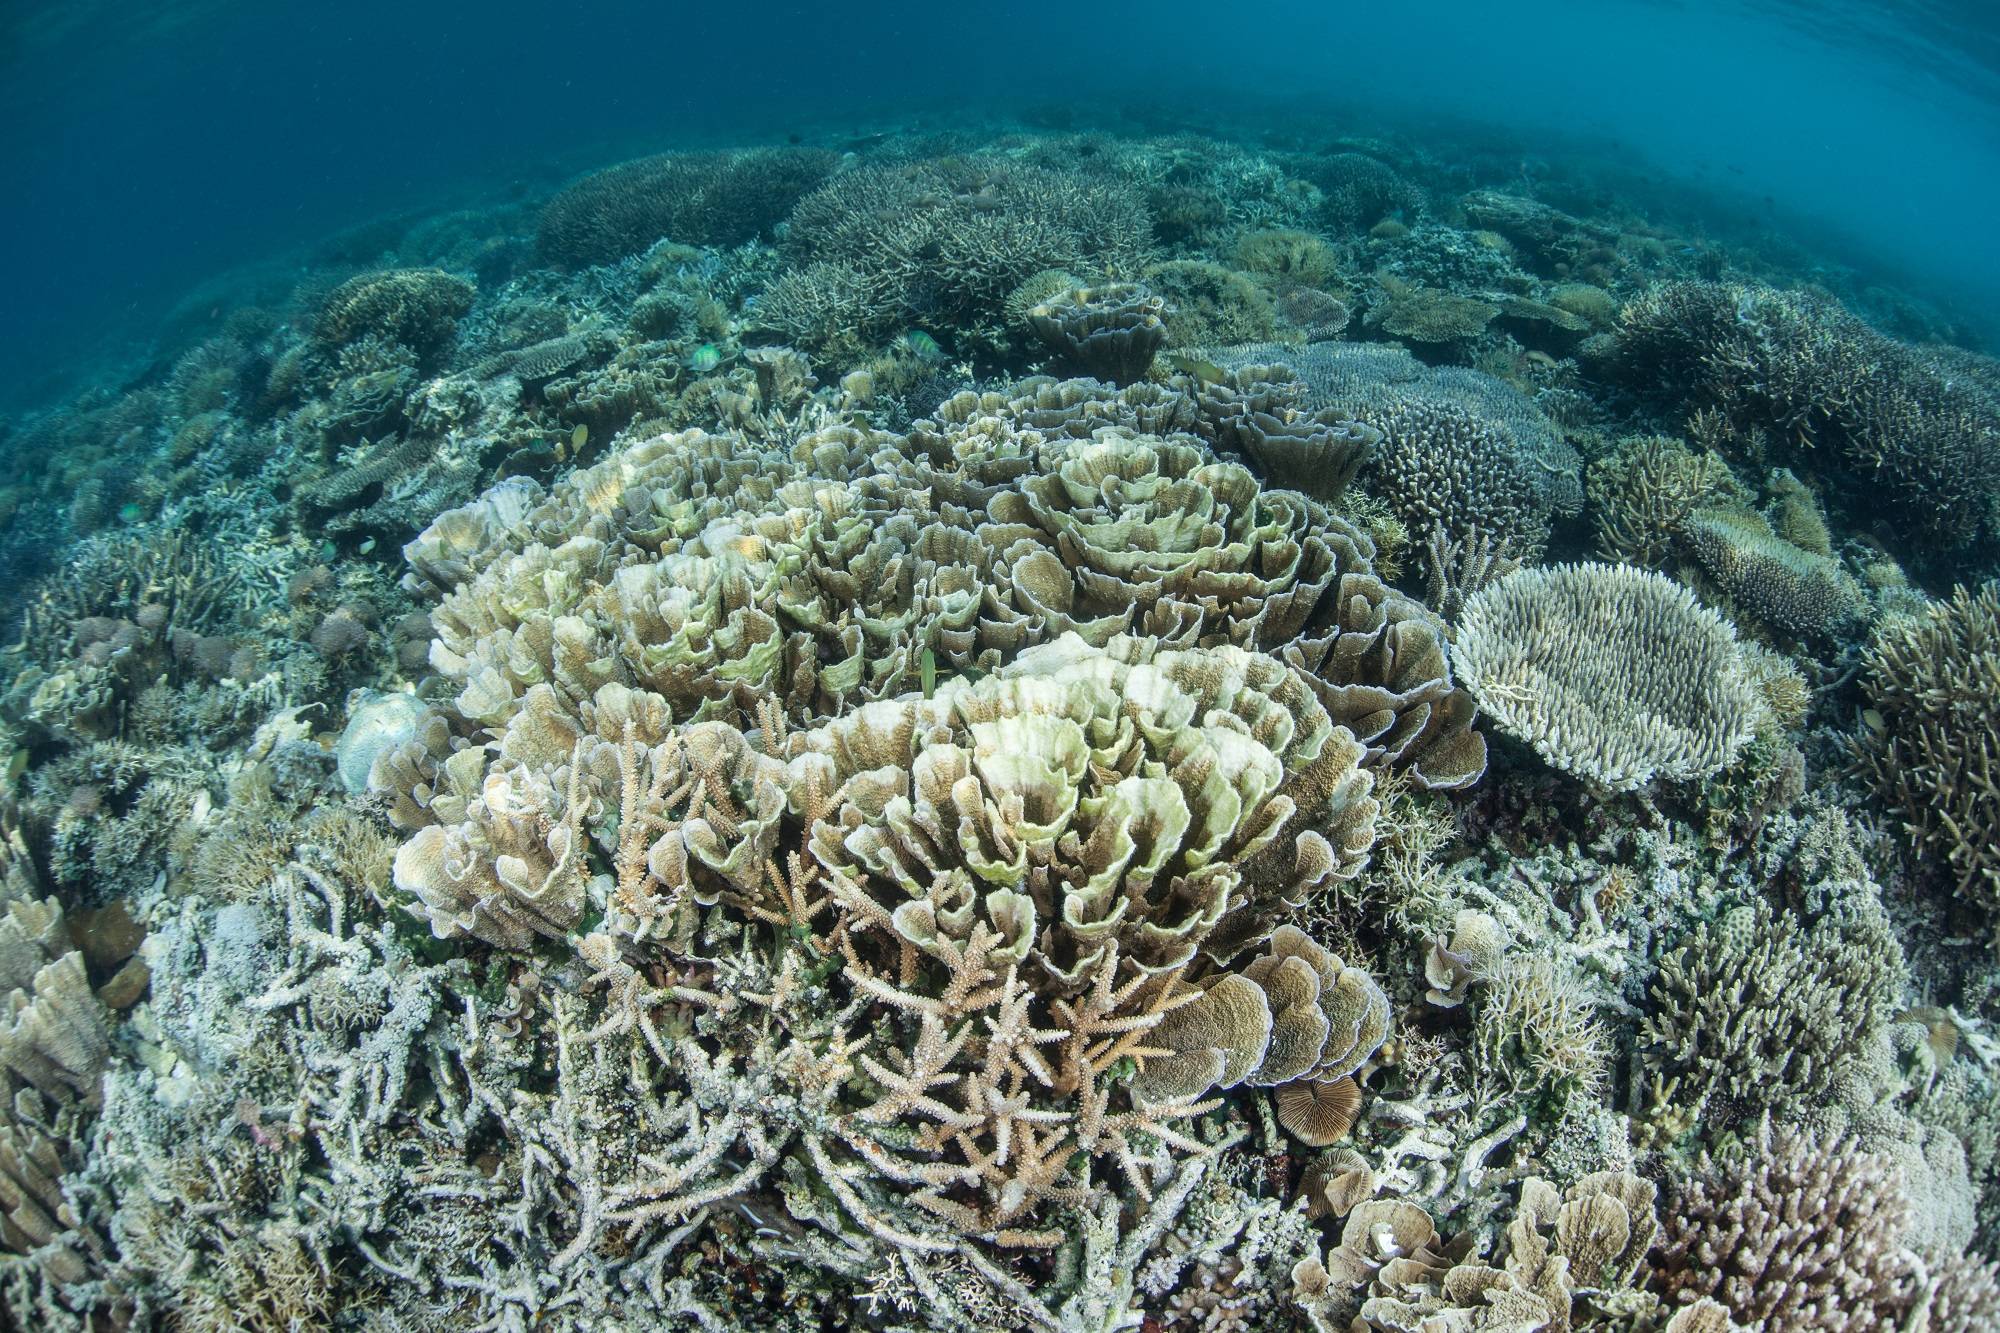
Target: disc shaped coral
{"x": 1611, "y": 673}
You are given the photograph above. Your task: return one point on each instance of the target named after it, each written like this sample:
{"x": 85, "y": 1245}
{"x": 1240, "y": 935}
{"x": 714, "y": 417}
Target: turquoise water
{"x": 1033, "y": 669}
{"x": 149, "y": 146}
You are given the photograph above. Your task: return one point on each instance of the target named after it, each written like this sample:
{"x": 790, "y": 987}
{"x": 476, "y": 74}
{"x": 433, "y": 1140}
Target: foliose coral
{"x": 1564, "y": 1252}
{"x": 1110, "y": 332}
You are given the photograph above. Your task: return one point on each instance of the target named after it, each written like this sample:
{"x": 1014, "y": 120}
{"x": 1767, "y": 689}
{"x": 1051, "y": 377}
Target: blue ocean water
{"x": 1126, "y": 661}
{"x": 149, "y": 145}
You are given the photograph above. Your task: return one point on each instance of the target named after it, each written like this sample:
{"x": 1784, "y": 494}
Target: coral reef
{"x": 694, "y": 198}
{"x": 1927, "y": 741}
{"x": 621, "y": 757}
{"x": 1613, "y": 674}
{"x": 1913, "y": 437}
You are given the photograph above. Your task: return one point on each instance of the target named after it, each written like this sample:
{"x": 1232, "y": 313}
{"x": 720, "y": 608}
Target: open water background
{"x": 146, "y": 146}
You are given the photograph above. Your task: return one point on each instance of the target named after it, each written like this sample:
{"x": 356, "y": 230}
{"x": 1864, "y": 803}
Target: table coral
{"x": 1613, "y": 674}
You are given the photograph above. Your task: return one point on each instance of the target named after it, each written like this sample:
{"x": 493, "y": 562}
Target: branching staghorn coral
{"x": 717, "y": 198}
{"x": 1929, "y": 748}
{"x": 1457, "y": 566}
{"x": 1613, "y": 674}
{"x": 1795, "y": 1230}
{"x": 1919, "y": 440}
{"x": 1785, "y": 587}
{"x": 417, "y": 308}
{"x": 1767, "y": 999}
{"x": 945, "y": 242}
{"x": 1642, "y": 494}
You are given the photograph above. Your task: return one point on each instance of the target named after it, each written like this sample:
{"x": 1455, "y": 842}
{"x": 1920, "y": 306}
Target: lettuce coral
{"x": 1050, "y": 857}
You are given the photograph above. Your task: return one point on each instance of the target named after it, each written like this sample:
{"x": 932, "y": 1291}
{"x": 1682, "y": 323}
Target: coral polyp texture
{"x": 1615, "y": 675}
{"x": 1928, "y": 744}
{"x": 1008, "y": 730}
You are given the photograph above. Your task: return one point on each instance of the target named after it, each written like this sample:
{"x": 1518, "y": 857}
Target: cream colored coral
{"x": 53, "y": 1037}
{"x": 1614, "y": 674}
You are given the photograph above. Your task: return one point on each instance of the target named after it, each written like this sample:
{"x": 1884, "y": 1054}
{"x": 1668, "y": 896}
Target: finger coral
{"x": 1793, "y": 1231}
{"x": 1613, "y": 674}
{"x": 1934, "y": 683}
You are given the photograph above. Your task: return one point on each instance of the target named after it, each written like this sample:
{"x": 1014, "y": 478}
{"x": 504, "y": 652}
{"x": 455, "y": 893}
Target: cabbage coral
{"x": 1023, "y": 876}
